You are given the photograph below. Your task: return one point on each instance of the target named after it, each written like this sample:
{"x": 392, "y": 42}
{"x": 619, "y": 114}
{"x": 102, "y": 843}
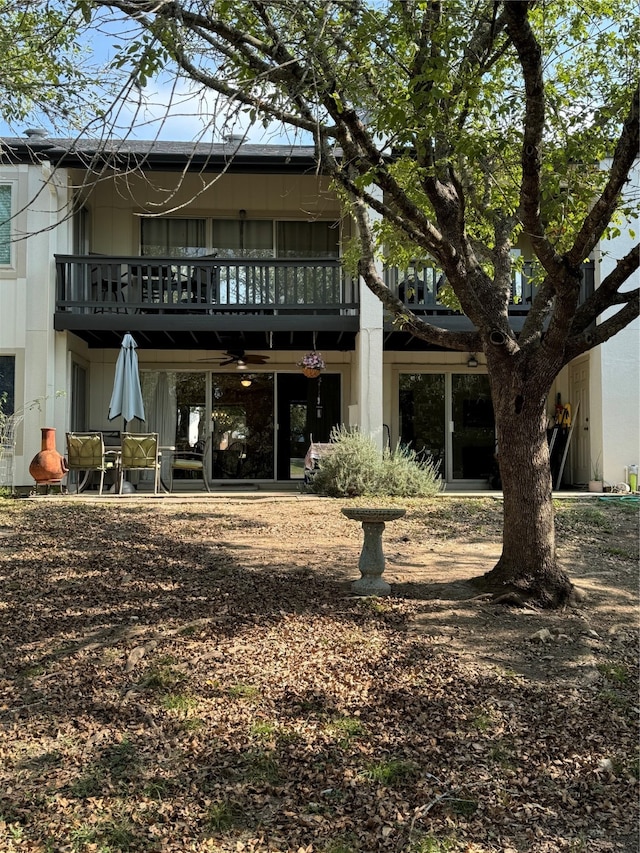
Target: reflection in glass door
{"x": 422, "y": 415}
{"x": 473, "y": 432}
{"x": 242, "y": 426}
{"x": 298, "y": 442}
{"x": 307, "y": 408}
{"x": 431, "y": 402}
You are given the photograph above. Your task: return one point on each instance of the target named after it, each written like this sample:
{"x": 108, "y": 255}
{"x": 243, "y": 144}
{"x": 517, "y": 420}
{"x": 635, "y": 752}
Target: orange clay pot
{"x": 48, "y": 466}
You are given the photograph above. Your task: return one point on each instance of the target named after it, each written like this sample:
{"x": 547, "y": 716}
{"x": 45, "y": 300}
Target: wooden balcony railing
{"x": 89, "y": 284}
{"x": 86, "y": 284}
{"x": 419, "y": 287}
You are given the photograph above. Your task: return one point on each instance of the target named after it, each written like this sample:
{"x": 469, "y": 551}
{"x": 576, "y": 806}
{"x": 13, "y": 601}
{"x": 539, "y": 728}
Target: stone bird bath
{"x": 371, "y": 563}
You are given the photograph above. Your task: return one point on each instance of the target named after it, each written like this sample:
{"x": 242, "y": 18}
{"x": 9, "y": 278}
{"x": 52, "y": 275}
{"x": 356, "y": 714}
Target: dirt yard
{"x": 197, "y": 675}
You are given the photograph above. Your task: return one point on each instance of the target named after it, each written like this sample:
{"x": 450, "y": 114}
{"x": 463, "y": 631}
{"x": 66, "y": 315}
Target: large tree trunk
{"x": 528, "y": 566}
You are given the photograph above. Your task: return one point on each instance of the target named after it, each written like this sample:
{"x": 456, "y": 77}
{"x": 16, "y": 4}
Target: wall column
{"x": 369, "y": 361}
{"x": 369, "y": 356}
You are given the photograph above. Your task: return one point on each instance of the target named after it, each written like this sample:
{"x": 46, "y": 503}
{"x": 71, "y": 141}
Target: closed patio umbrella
{"x": 126, "y": 399}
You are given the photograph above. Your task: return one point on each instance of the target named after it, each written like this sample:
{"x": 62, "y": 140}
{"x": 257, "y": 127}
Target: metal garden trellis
{"x": 8, "y": 428}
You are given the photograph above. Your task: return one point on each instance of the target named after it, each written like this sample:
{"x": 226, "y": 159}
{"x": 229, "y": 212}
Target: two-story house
{"x": 225, "y": 267}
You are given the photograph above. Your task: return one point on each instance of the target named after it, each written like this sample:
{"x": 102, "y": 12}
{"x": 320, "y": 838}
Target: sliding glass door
{"x": 422, "y": 415}
{"x": 260, "y": 424}
{"x": 242, "y": 426}
{"x": 449, "y": 416}
{"x": 307, "y": 409}
{"x": 472, "y": 427}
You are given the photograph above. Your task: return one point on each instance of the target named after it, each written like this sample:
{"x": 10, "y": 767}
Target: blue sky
{"x": 166, "y": 111}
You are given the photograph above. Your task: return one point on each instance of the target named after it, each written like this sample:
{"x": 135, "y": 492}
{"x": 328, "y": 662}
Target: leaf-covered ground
{"x": 196, "y": 675}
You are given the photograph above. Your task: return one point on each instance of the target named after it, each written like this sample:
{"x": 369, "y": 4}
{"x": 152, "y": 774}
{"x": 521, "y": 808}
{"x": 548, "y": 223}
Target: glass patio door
{"x": 449, "y": 416}
{"x": 472, "y": 427}
{"x": 306, "y": 408}
{"x": 423, "y": 415}
{"x": 260, "y": 425}
{"x": 242, "y": 426}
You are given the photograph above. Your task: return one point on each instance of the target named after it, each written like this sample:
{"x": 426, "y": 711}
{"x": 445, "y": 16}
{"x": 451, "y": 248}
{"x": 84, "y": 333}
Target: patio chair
{"x": 106, "y": 287}
{"x": 86, "y": 453}
{"x": 192, "y": 462}
{"x": 140, "y": 452}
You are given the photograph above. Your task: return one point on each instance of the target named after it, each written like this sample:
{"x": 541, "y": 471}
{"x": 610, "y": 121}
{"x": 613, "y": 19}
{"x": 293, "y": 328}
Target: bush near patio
{"x": 355, "y": 467}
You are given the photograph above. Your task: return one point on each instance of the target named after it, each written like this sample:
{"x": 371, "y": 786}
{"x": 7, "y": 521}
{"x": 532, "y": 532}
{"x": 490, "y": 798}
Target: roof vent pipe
{"x": 36, "y": 133}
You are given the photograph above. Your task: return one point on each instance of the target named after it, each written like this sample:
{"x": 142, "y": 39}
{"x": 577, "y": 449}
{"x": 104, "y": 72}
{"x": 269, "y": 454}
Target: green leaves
{"x": 43, "y": 61}
{"x": 146, "y": 57}
{"x": 421, "y": 109}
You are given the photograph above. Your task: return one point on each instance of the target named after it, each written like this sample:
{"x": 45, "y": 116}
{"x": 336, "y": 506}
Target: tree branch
{"x": 530, "y": 56}
{"x": 405, "y": 319}
{"x": 623, "y": 159}
{"x": 607, "y": 294}
{"x": 600, "y": 334}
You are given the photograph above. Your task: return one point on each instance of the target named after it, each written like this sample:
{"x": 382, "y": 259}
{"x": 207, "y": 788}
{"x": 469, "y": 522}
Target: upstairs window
{"x": 174, "y": 238}
{"x": 308, "y": 239}
{"x": 5, "y": 224}
{"x": 242, "y": 238}
{"x": 239, "y": 238}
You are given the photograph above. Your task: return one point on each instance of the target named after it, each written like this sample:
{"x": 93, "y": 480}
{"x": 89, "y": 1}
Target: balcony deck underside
{"x": 264, "y": 331}
{"x": 331, "y": 332}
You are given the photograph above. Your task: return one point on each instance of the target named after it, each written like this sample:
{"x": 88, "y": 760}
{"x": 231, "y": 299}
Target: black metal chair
{"x": 191, "y": 462}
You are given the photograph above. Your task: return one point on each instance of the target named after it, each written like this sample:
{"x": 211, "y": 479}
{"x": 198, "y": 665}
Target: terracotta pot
{"x": 311, "y": 372}
{"x": 48, "y": 466}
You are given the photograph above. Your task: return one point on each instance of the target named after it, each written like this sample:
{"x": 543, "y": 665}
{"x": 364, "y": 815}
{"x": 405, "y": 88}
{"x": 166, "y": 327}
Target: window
{"x": 7, "y": 383}
{"x": 240, "y": 238}
{"x": 308, "y": 239}
{"x": 79, "y": 405}
{"x": 174, "y": 238}
{"x": 5, "y": 224}
{"x": 243, "y": 238}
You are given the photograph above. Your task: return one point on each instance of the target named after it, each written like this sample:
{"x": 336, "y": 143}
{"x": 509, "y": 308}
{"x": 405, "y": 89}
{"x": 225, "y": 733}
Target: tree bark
{"x": 528, "y": 567}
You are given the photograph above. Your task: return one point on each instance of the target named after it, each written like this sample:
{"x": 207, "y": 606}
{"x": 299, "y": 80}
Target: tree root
{"x": 527, "y": 592}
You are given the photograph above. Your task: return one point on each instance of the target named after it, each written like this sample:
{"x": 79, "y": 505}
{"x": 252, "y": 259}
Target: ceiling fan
{"x": 240, "y": 358}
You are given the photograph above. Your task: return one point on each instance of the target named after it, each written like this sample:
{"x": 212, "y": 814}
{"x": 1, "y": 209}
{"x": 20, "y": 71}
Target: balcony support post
{"x": 369, "y": 366}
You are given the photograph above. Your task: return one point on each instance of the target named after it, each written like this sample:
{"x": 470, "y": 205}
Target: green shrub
{"x": 403, "y": 474}
{"x": 356, "y": 467}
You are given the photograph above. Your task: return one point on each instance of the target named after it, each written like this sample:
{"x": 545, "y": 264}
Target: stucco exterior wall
{"x": 615, "y": 369}
{"x": 27, "y": 299}
{"x": 115, "y": 206}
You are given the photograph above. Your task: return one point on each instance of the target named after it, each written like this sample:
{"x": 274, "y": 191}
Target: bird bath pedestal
{"x": 371, "y": 562}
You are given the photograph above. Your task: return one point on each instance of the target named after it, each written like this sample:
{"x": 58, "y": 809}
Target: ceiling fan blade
{"x": 238, "y": 357}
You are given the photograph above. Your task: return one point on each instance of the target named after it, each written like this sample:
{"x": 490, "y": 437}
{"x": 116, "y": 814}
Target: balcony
{"x": 175, "y": 303}
{"x": 205, "y": 302}
{"x": 420, "y": 289}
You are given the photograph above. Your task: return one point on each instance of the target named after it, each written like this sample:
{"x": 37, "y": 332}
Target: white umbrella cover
{"x": 126, "y": 399}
